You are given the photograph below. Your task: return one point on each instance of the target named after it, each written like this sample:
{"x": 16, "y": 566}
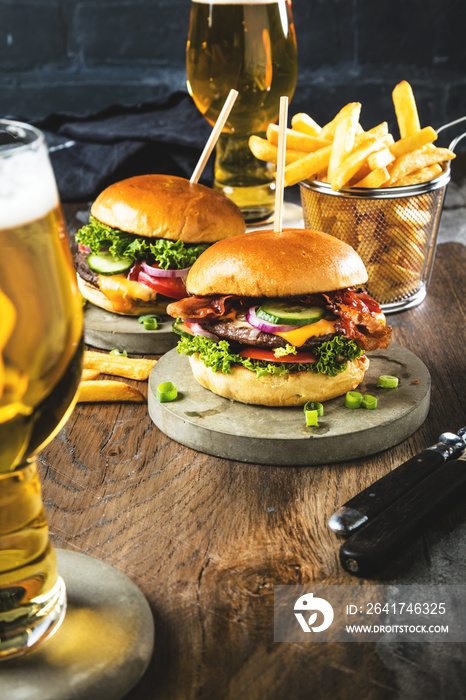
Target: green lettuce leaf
{"x": 168, "y": 254}
{"x": 332, "y": 357}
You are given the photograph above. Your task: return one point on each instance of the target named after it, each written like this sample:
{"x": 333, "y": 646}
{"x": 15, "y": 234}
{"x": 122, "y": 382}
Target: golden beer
{"x": 249, "y": 46}
{"x": 40, "y": 358}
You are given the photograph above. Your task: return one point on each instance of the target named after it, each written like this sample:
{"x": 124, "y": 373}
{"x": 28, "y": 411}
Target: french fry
{"x": 264, "y": 150}
{"x": 328, "y": 131}
{"x": 308, "y": 166}
{"x": 424, "y": 175}
{"x": 405, "y": 109}
{"x": 297, "y": 141}
{"x": 376, "y": 178}
{"x": 305, "y": 124}
{"x": 89, "y": 374}
{"x": 380, "y": 159}
{"x": 343, "y": 142}
{"x": 413, "y": 142}
{"x": 119, "y": 366}
{"x": 108, "y": 390}
{"x": 417, "y": 160}
{"x": 377, "y": 131}
{"x": 351, "y": 165}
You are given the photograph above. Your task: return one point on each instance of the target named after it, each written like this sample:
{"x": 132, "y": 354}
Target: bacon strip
{"x": 202, "y": 307}
{"x": 356, "y": 319}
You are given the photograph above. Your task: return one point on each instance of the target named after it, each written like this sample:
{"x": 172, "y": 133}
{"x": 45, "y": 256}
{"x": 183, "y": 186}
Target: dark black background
{"x": 79, "y": 57}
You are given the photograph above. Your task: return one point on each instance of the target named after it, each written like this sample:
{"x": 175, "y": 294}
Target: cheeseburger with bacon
{"x": 143, "y": 236}
{"x": 276, "y": 319}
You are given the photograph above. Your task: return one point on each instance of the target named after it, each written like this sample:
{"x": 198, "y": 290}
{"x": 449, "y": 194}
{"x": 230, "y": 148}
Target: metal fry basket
{"x": 393, "y": 229}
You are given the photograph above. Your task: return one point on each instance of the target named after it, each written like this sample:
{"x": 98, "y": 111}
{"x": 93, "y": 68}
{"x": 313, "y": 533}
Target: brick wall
{"x": 82, "y": 55}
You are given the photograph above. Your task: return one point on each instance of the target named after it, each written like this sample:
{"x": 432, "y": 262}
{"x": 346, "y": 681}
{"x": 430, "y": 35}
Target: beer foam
{"x": 27, "y": 186}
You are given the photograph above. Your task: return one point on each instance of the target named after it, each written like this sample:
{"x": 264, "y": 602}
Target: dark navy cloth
{"x": 90, "y": 153}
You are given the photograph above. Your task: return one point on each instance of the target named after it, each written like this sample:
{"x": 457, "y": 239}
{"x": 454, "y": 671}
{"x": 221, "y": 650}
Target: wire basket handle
{"x": 456, "y": 140}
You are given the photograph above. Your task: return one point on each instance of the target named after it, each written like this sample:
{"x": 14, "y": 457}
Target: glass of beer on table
{"x": 249, "y": 46}
{"x": 40, "y": 366}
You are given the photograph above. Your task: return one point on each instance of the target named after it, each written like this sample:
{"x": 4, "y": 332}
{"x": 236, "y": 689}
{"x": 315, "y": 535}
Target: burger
{"x": 277, "y": 319}
{"x": 143, "y": 236}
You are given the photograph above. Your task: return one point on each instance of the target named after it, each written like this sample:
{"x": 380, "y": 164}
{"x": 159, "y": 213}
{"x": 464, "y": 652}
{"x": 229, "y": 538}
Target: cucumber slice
{"x": 281, "y": 312}
{"x": 105, "y": 264}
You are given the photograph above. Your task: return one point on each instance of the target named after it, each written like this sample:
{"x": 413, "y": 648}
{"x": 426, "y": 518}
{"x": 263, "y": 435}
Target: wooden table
{"x": 207, "y": 539}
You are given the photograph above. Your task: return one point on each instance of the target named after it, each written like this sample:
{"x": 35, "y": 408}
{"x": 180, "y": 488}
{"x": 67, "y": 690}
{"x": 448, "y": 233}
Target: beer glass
{"x": 40, "y": 362}
{"x": 249, "y": 46}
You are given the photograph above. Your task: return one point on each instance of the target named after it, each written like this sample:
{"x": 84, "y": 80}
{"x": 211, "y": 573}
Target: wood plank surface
{"x": 207, "y": 539}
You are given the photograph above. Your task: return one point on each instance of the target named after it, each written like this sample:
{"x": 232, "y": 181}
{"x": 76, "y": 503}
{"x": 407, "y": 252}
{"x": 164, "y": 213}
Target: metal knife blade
{"x": 382, "y": 493}
{"x": 381, "y": 540}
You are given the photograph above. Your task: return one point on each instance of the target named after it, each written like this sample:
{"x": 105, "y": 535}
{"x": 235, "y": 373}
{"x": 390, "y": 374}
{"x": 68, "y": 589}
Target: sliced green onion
{"x": 369, "y": 402}
{"x": 311, "y": 418}
{"x": 353, "y": 399}
{"x": 115, "y": 351}
{"x": 386, "y": 381}
{"x": 166, "y": 391}
{"x": 150, "y": 321}
{"x": 314, "y": 406}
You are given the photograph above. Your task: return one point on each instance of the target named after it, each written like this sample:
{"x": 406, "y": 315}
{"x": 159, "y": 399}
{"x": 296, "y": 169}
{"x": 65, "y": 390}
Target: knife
{"x": 379, "y": 541}
{"x": 379, "y": 495}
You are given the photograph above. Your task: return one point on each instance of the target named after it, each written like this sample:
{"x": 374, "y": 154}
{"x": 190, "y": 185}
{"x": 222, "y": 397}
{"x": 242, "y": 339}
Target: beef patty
{"x": 83, "y": 269}
{"x": 247, "y": 335}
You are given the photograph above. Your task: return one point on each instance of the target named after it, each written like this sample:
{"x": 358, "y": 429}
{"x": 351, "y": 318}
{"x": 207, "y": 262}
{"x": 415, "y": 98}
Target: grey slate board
{"x": 278, "y": 436}
{"x": 101, "y": 649}
{"x": 107, "y": 331}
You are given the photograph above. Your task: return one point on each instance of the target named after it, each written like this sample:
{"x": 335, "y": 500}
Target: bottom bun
{"x": 293, "y": 389}
{"x": 98, "y": 298}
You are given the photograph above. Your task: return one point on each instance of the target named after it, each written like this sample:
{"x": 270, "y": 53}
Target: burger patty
{"x": 83, "y": 269}
{"x": 247, "y": 335}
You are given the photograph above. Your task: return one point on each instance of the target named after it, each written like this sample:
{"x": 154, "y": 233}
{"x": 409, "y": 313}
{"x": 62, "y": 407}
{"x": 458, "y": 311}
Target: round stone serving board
{"x": 101, "y": 649}
{"x": 107, "y": 331}
{"x": 278, "y": 436}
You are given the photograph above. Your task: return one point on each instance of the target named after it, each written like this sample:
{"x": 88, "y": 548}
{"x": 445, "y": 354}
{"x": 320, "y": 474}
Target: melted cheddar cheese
{"x": 301, "y": 334}
{"x": 122, "y": 292}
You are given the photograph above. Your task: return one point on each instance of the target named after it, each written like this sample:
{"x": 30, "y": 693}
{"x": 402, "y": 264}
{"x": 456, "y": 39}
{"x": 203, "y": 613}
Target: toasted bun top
{"x": 164, "y": 206}
{"x": 265, "y": 263}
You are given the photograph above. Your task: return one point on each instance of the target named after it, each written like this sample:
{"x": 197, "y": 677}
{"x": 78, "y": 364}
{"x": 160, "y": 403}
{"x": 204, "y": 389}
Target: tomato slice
{"x": 172, "y": 287}
{"x": 260, "y": 354}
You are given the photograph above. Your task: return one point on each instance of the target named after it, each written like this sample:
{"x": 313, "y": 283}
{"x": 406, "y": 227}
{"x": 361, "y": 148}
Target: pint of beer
{"x": 249, "y": 46}
{"x": 40, "y": 357}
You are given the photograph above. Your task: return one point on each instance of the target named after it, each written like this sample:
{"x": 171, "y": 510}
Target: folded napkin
{"x": 89, "y": 153}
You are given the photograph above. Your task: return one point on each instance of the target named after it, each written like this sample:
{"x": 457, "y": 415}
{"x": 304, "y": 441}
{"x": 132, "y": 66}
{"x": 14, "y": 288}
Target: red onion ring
{"x": 158, "y": 272}
{"x": 197, "y": 329}
{"x": 253, "y": 320}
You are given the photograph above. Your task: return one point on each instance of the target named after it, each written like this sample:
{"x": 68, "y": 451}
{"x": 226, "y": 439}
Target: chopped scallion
{"x": 150, "y": 321}
{"x": 115, "y": 351}
{"x": 314, "y": 406}
{"x": 386, "y": 381}
{"x": 166, "y": 391}
{"x": 311, "y": 418}
{"x": 369, "y": 402}
{"x": 353, "y": 399}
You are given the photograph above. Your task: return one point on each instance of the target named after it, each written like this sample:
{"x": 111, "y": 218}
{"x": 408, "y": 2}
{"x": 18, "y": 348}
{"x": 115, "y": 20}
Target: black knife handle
{"x": 379, "y": 495}
{"x": 394, "y": 484}
{"x": 380, "y": 541}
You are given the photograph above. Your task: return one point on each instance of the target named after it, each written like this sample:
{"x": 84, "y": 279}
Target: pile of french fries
{"x": 344, "y": 155}
{"x": 95, "y": 363}
{"x": 392, "y": 236}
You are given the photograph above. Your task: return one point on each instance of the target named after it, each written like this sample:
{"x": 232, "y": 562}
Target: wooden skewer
{"x": 216, "y": 131}
{"x": 280, "y": 181}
